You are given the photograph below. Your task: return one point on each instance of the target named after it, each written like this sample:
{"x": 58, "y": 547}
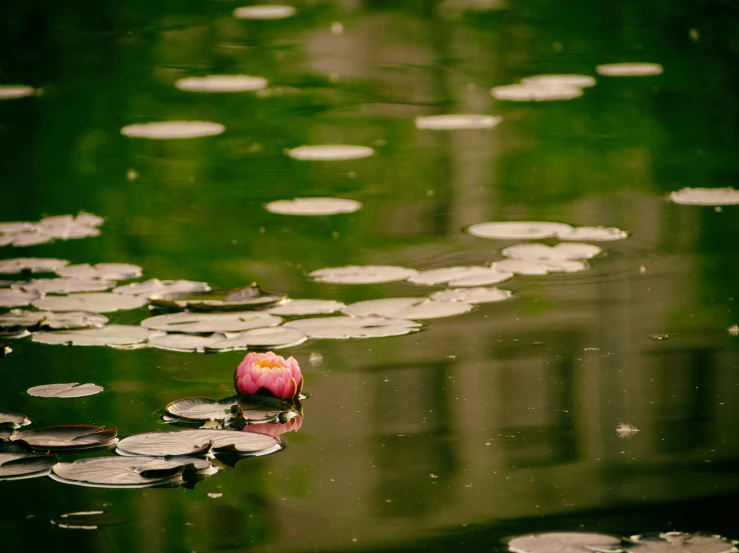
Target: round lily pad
{"x": 78, "y": 436}
{"x": 564, "y": 542}
{"x": 518, "y": 230}
{"x": 196, "y": 323}
{"x": 128, "y": 472}
{"x": 457, "y": 122}
{"x": 705, "y": 196}
{"x": 306, "y": 307}
{"x": 48, "y": 319}
{"x": 97, "y": 302}
{"x": 110, "y": 335}
{"x": 265, "y": 11}
{"x": 353, "y": 327}
{"x": 13, "y": 420}
{"x": 221, "y": 83}
{"x": 66, "y": 227}
{"x": 197, "y": 442}
{"x": 535, "y": 92}
{"x": 564, "y": 250}
{"x": 595, "y": 234}
{"x": 629, "y": 69}
{"x": 31, "y": 265}
{"x": 64, "y": 285}
{"x": 313, "y": 206}
{"x": 25, "y": 238}
{"x": 258, "y": 338}
{"x": 203, "y": 408}
{"x": 17, "y": 298}
{"x": 17, "y": 465}
{"x": 72, "y": 389}
{"x": 155, "y": 286}
{"x": 173, "y": 130}
{"x": 679, "y": 542}
{"x": 579, "y": 81}
{"x": 407, "y": 308}
{"x": 330, "y": 152}
{"x": 472, "y": 295}
{"x": 541, "y": 266}
{"x": 109, "y": 271}
{"x": 15, "y": 91}
{"x": 259, "y": 409}
{"x": 362, "y": 274}
{"x": 461, "y": 276}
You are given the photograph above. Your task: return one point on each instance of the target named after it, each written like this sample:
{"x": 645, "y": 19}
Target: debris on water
{"x": 214, "y": 495}
{"x": 132, "y": 175}
{"x": 337, "y": 28}
{"x": 642, "y": 269}
{"x": 733, "y": 330}
{"x": 315, "y": 359}
{"x": 659, "y": 337}
{"x": 625, "y": 430}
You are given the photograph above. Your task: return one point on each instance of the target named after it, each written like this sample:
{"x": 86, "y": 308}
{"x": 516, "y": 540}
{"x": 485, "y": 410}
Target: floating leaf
{"x": 353, "y": 327}
{"x": 32, "y": 237}
{"x": 679, "y": 542}
{"x": 541, "y": 267}
{"x": 313, "y": 206}
{"x": 595, "y": 234}
{"x": 579, "y": 81}
{"x": 266, "y": 11}
{"x": 31, "y": 265}
{"x": 15, "y": 91}
{"x": 537, "y": 92}
{"x": 97, "y": 302}
{"x": 128, "y": 472}
{"x": 363, "y": 274}
{"x": 461, "y": 276}
{"x": 330, "y": 152}
{"x": 75, "y": 436}
{"x": 162, "y": 287}
{"x": 202, "y": 408}
{"x": 541, "y": 252}
{"x": 257, "y": 409}
{"x": 221, "y": 83}
{"x": 564, "y": 542}
{"x": 17, "y": 465}
{"x": 13, "y": 420}
{"x": 407, "y": 308}
{"x": 249, "y": 297}
{"x": 457, "y": 122}
{"x": 17, "y": 298}
{"x": 306, "y": 307}
{"x": 271, "y": 337}
{"x": 104, "y": 271}
{"x": 472, "y": 295}
{"x": 16, "y": 226}
{"x": 63, "y": 285}
{"x": 195, "y": 323}
{"x": 518, "y": 230}
{"x": 111, "y": 335}
{"x": 173, "y": 130}
{"x": 705, "y": 196}
{"x": 197, "y": 442}
{"x": 629, "y": 69}
{"x": 65, "y": 227}
{"x": 72, "y": 389}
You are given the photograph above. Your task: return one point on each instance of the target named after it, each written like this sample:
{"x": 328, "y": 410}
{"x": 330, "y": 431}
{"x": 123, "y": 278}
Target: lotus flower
{"x": 268, "y": 374}
{"x": 275, "y": 429}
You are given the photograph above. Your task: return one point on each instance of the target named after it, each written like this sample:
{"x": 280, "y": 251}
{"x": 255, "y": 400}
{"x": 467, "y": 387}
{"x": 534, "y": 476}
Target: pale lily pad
{"x": 17, "y": 465}
{"x": 705, "y": 196}
{"x": 31, "y": 265}
{"x": 518, "y": 230}
{"x": 65, "y": 227}
{"x": 472, "y": 295}
{"x": 564, "y": 542}
{"x": 249, "y": 297}
{"x": 17, "y": 298}
{"x": 593, "y": 234}
{"x": 221, "y": 83}
{"x": 258, "y": 338}
{"x": 407, "y": 308}
{"x": 679, "y": 542}
{"x": 313, "y": 206}
{"x": 63, "y": 285}
{"x": 203, "y": 408}
{"x": 306, "y": 307}
{"x": 109, "y": 271}
{"x": 362, "y": 274}
{"x": 76, "y": 436}
{"x": 265, "y": 11}
{"x": 200, "y": 323}
{"x": 541, "y": 267}
{"x": 25, "y": 238}
{"x": 48, "y": 319}
{"x": 535, "y": 92}
{"x": 197, "y": 442}
{"x": 629, "y": 69}
{"x": 15, "y": 91}
{"x": 259, "y": 409}
{"x": 128, "y": 472}
{"x": 330, "y": 152}
{"x": 565, "y": 250}
{"x": 173, "y": 130}
{"x": 161, "y": 287}
{"x": 111, "y": 335}
{"x": 186, "y": 343}
{"x": 340, "y": 328}
{"x": 72, "y": 389}
{"x": 461, "y": 276}
{"x": 13, "y": 420}
{"x": 579, "y": 81}
{"x": 16, "y": 226}
{"x": 457, "y": 122}
{"x": 97, "y": 302}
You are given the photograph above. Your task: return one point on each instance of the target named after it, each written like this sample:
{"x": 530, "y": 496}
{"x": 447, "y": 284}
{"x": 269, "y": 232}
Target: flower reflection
{"x": 276, "y": 429}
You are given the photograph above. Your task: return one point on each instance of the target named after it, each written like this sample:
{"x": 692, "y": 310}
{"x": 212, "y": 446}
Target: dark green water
{"x": 482, "y": 426}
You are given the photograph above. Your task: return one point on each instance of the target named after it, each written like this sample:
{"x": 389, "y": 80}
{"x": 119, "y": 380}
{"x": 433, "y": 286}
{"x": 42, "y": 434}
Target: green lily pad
{"x": 162, "y": 287}
{"x": 258, "y": 409}
{"x": 97, "y": 302}
{"x": 71, "y": 389}
{"x": 339, "y": 328}
{"x": 31, "y": 265}
{"x": 564, "y": 542}
{"x": 407, "y": 308}
{"x": 197, "y": 442}
{"x": 203, "y": 408}
{"x": 17, "y": 465}
{"x": 63, "y": 285}
{"x": 541, "y": 267}
{"x": 679, "y": 542}
{"x": 102, "y": 271}
{"x": 593, "y": 234}
{"x": 541, "y": 252}
{"x": 258, "y": 338}
{"x": 75, "y": 436}
{"x": 110, "y": 335}
{"x": 65, "y": 227}
{"x": 517, "y": 230}
{"x": 200, "y": 323}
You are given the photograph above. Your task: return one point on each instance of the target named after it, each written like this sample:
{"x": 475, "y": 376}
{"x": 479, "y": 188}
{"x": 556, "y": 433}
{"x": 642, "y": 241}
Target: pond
{"x": 498, "y": 236}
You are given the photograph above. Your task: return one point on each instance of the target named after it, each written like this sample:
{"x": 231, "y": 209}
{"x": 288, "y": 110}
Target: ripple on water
{"x": 173, "y": 130}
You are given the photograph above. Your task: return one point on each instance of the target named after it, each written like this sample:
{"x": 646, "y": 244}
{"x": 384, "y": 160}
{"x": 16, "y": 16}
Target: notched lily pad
{"x": 13, "y": 420}
{"x": 173, "y": 130}
{"x": 71, "y": 389}
{"x": 197, "y": 442}
{"x": 564, "y": 542}
{"x": 461, "y": 276}
{"x": 110, "y": 335}
{"x": 249, "y": 297}
{"x": 340, "y": 328}
{"x": 17, "y": 465}
{"x": 407, "y": 308}
{"x": 10, "y": 297}
{"x": 155, "y": 286}
{"x": 97, "y": 302}
{"x": 203, "y": 408}
{"x": 102, "y": 271}
{"x": 201, "y": 323}
{"x": 705, "y": 196}
{"x": 472, "y": 295}
{"x": 31, "y": 265}
{"x": 63, "y": 285}
{"x": 75, "y": 436}
{"x": 313, "y": 206}
{"x": 330, "y": 152}
{"x": 362, "y": 274}
{"x": 306, "y": 307}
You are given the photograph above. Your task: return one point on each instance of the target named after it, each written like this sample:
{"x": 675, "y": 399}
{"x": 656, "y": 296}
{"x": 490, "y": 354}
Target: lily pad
{"x": 407, "y": 308}
{"x": 457, "y": 122}
{"x": 97, "y": 302}
{"x": 198, "y": 323}
{"x": 259, "y": 409}
{"x": 537, "y": 92}
{"x": 541, "y": 267}
{"x": 565, "y": 250}
{"x": 313, "y": 206}
{"x": 579, "y": 81}
{"x": 32, "y": 237}
{"x": 13, "y": 420}
{"x": 629, "y": 69}
{"x": 31, "y": 265}
{"x": 17, "y": 298}
{"x": 340, "y": 328}
{"x": 72, "y": 389}
{"x": 15, "y": 91}
{"x": 65, "y": 227}
{"x": 461, "y": 276}
{"x": 104, "y": 271}
{"x": 472, "y": 295}
{"x": 330, "y": 152}
{"x": 306, "y": 307}
{"x": 173, "y": 130}
{"x": 128, "y": 472}
{"x": 63, "y": 285}
{"x": 564, "y": 542}
{"x": 111, "y": 335}
{"x": 362, "y": 274}
{"x": 258, "y": 338}
{"x": 76, "y": 436}
{"x": 249, "y": 297}
{"x": 679, "y": 542}
{"x": 17, "y": 465}
{"x": 197, "y": 442}
{"x": 203, "y": 408}
{"x": 221, "y": 83}
{"x": 162, "y": 287}
{"x": 266, "y": 11}
{"x": 705, "y": 196}
{"x": 518, "y": 230}
{"x": 594, "y": 234}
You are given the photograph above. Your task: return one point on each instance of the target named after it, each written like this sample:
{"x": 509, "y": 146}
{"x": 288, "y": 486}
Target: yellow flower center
{"x": 267, "y": 364}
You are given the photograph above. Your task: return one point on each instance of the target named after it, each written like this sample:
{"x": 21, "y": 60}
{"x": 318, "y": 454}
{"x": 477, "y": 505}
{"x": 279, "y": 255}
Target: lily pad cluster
{"x": 61, "y": 227}
{"x": 583, "y": 542}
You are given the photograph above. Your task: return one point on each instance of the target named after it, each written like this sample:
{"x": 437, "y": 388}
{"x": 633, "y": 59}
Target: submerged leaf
{"x": 98, "y": 302}
{"x": 353, "y": 327}
{"x": 197, "y": 442}
{"x": 75, "y": 436}
{"x": 72, "y": 389}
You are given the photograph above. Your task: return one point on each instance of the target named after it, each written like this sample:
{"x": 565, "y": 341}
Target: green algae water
{"x": 598, "y": 396}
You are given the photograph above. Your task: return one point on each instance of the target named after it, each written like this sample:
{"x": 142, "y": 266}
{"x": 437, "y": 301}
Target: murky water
{"x": 483, "y": 425}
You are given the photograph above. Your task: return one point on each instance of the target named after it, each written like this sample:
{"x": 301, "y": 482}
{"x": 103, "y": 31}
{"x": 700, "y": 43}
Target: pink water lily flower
{"x": 269, "y": 374}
